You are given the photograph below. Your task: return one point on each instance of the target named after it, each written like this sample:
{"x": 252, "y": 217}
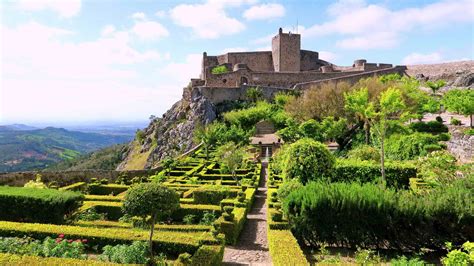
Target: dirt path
{"x": 252, "y": 247}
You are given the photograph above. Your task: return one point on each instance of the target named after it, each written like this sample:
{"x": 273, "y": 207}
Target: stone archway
{"x": 244, "y": 80}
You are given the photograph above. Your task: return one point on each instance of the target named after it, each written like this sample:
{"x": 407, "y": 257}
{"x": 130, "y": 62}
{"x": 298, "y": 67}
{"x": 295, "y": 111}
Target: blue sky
{"x": 81, "y": 61}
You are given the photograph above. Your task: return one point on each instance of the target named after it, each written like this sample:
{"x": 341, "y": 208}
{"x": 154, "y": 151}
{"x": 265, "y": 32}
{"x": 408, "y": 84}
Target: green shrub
{"x": 364, "y": 153}
{"x": 37, "y": 183}
{"x": 309, "y": 160}
{"x": 438, "y": 168}
{"x": 37, "y": 205}
{"x": 189, "y": 219}
{"x": 13, "y": 259}
{"x": 463, "y": 256}
{"x": 366, "y": 215}
{"x": 407, "y": 147}
{"x": 455, "y": 122}
{"x": 208, "y": 255}
{"x": 219, "y": 70}
{"x": 469, "y": 132}
{"x": 404, "y": 261}
{"x": 434, "y": 127}
{"x": 49, "y": 247}
{"x": 135, "y": 253}
{"x": 208, "y": 218}
{"x": 103, "y": 189}
{"x": 212, "y": 194}
{"x": 444, "y": 137}
{"x": 287, "y": 187}
{"x": 91, "y": 215}
{"x": 398, "y": 174}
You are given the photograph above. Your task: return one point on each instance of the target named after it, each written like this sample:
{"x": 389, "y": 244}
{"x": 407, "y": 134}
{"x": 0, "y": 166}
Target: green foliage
{"x": 433, "y": 127}
{"x": 284, "y": 249}
{"x": 404, "y": 261}
{"x": 460, "y": 101}
{"x": 390, "y": 77}
{"x": 208, "y": 218}
{"x": 211, "y": 194}
{"x": 398, "y": 174}
{"x": 364, "y": 153}
{"x": 134, "y": 253}
{"x": 91, "y": 215}
{"x": 406, "y": 147}
{"x": 219, "y": 133}
{"x": 469, "y": 132}
{"x": 357, "y": 102}
{"x": 435, "y": 85}
{"x": 461, "y": 257}
{"x": 308, "y": 160}
{"x": 140, "y": 136}
{"x": 49, "y": 247}
{"x": 437, "y": 168}
{"x": 189, "y": 219}
{"x": 231, "y": 157}
{"x": 38, "y": 205}
{"x": 287, "y": 187}
{"x": 350, "y": 214}
{"x": 455, "y": 122}
{"x": 150, "y": 199}
{"x": 367, "y": 257}
{"x": 222, "y": 69}
{"x": 247, "y": 118}
{"x": 254, "y": 94}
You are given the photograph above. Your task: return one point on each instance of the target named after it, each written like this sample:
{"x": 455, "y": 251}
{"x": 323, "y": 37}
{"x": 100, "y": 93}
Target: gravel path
{"x": 252, "y": 247}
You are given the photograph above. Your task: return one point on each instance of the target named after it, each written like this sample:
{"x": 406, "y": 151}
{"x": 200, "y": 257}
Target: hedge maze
{"x": 212, "y": 211}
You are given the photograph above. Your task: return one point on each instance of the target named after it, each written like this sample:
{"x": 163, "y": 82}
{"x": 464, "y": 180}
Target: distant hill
{"x": 18, "y": 127}
{"x": 22, "y": 149}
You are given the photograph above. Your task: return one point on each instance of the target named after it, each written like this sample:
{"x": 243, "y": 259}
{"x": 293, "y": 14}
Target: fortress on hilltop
{"x": 286, "y": 66}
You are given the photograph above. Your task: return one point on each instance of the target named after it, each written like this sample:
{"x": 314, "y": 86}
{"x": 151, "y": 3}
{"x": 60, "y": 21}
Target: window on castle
{"x": 244, "y": 81}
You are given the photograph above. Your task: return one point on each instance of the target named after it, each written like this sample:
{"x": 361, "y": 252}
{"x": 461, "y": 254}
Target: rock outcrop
{"x": 170, "y": 135}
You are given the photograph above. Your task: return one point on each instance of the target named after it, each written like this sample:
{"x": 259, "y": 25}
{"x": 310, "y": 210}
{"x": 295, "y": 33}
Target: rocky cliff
{"x": 171, "y": 134}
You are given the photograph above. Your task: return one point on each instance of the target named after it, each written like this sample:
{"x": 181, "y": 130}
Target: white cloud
{"x": 362, "y": 24}
{"x": 327, "y": 56}
{"x": 139, "y": 16}
{"x": 234, "y": 50}
{"x": 208, "y": 20}
{"x": 418, "y": 58}
{"x": 180, "y": 73}
{"x": 55, "y": 78}
{"x": 264, "y": 12}
{"x": 149, "y": 30}
{"x": 160, "y": 13}
{"x": 108, "y": 30}
{"x": 65, "y": 9}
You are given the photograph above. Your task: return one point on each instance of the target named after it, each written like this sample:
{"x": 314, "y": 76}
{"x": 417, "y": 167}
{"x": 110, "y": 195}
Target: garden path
{"x": 252, "y": 247}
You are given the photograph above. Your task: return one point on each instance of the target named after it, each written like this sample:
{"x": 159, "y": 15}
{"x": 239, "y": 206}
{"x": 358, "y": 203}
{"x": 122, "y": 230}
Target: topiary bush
{"x": 309, "y": 160}
{"x": 434, "y": 127}
{"x": 351, "y": 214}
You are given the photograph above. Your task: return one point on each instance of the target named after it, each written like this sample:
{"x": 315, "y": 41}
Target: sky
{"x": 80, "y": 61}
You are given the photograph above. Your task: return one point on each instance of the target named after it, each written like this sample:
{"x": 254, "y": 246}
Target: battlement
{"x": 284, "y": 66}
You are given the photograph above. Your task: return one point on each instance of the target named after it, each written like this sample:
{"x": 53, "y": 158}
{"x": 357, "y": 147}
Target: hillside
{"x": 22, "y": 150}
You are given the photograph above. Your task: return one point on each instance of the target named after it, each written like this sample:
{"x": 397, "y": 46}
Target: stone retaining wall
{"x": 460, "y": 145}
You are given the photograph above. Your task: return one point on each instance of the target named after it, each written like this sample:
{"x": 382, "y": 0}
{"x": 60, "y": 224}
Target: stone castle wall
{"x": 219, "y": 94}
{"x": 286, "y": 52}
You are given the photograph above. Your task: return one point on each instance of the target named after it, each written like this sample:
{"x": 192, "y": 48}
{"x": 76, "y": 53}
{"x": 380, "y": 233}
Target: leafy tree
{"x": 308, "y": 160}
{"x": 358, "y": 103}
{"x": 460, "y": 102}
{"x": 436, "y": 85}
{"x": 203, "y": 134}
{"x": 389, "y": 78}
{"x": 254, "y": 94}
{"x": 332, "y": 129}
{"x": 150, "y": 199}
{"x": 391, "y": 105}
{"x": 231, "y": 157}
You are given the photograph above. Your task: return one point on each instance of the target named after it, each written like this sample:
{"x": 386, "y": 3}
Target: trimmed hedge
{"x": 162, "y": 227}
{"x": 173, "y": 243}
{"x": 13, "y": 259}
{"x": 37, "y": 205}
{"x": 111, "y": 208}
{"x": 208, "y": 255}
{"x": 232, "y": 229}
{"x": 111, "y": 189}
{"x": 102, "y": 198}
{"x": 79, "y": 186}
{"x": 434, "y": 127}
{"x": 398, "y": 173}
{"x": 284, "y": 249}
{"x": 351, "y": 214}
{"x": 212, "y": 194}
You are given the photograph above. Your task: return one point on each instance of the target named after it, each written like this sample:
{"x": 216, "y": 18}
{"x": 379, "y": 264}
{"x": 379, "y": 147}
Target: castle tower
{"x": 286, "y": 52}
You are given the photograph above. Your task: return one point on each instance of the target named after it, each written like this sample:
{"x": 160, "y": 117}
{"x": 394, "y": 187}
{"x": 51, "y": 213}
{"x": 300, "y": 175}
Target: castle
{"x": 286, "y": 66}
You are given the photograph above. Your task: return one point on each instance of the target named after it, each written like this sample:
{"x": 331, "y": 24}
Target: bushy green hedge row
{"x": 168, "y": 242}
{"x": 112, "y": 209}
{"x": 352, "y": 214}
{"x": 429, "y": 127}
{"x": 284, "y": 248}
{"x": 208, "y": 255}
{"x": 232, "y": 229}
{"x": 79, "y": 186}
{"x": 111, "y": 189}
{"x": 398, "y": 174}
{"x": 212, "y": 194}
{"x": 37, "y": 205}
{"x": 13, "y": 259}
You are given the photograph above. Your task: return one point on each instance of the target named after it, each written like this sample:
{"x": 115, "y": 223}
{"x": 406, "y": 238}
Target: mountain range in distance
{"x": 24, "y": 147}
